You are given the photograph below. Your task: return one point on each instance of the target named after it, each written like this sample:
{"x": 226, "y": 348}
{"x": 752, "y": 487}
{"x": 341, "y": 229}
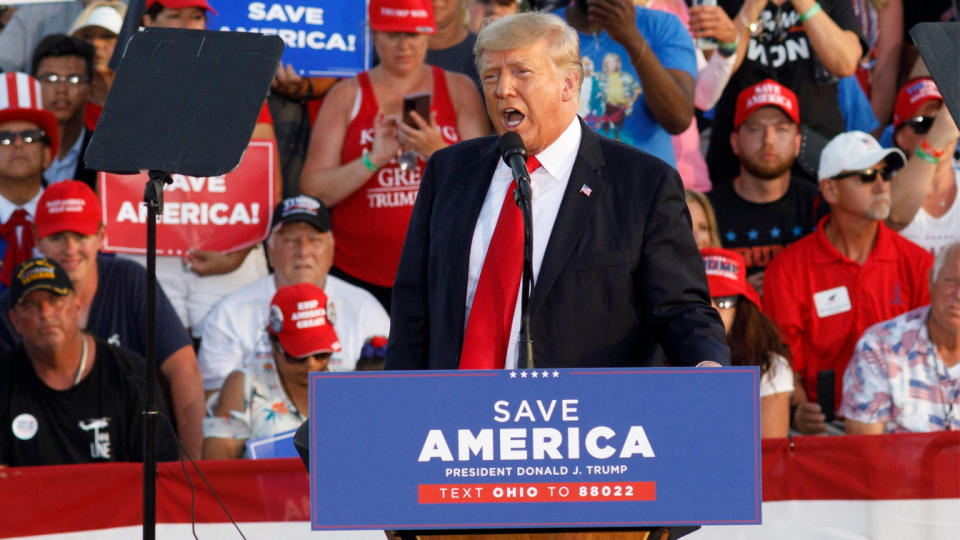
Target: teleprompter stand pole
{"x": 153, "y": 197}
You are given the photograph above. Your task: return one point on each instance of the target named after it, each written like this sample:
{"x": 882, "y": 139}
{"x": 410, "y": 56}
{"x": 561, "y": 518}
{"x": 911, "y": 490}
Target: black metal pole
{"x": 153, "y": 197}
{"x": 523, "y": 196}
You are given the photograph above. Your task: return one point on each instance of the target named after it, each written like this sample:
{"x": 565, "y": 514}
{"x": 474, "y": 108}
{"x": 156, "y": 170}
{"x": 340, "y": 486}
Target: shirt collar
{"x": 558, "y": 158}
{"x": 884, "y": 248}
{"x": 7, "y": 208}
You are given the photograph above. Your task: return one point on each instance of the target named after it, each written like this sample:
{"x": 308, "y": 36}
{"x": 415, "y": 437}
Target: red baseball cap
{"x": 727, "y": 274}
{"x": 20, "y": 100}
{"x": 68, "y": 206}
{"x": 914, "y": 95}
{"x": 300, "y": 319}
{"x": 414, "y": 16}
{"x": 180, "y": 4}
{"x": 766, "y": 93}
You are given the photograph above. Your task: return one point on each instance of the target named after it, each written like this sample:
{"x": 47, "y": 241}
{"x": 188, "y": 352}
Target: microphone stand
{"x": 523, "y": 197}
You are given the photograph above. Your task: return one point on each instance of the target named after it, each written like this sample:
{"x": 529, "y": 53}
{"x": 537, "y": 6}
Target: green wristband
{"x": 925, "y": 156}
{"x": 730, "y": 47}
{"x": 814, "y": 9}
{"x": 365, "y": 159}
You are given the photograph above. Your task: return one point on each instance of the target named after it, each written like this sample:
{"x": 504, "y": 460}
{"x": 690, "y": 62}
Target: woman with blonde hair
{"x": 702, "y": 218}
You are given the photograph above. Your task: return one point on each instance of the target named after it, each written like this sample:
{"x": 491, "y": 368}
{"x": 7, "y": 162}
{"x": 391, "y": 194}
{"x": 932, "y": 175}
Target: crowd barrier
{"x": 880, "y": 486}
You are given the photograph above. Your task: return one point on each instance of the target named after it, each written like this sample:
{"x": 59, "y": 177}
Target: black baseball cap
{"x": 301, "y": 208}
{"x": 36, "y": 274}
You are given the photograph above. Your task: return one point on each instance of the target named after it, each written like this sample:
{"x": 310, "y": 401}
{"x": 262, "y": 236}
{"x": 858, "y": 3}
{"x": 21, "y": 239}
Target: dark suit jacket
{"x": 82, "y": 173}
{"x": 621, "y": 281}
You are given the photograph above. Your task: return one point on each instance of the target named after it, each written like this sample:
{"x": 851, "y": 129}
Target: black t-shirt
{"x": 118, "y": 313}
{"x": 758, "y": 231}
{"x": 458, "y": 59}
{"x": 97, "y": 420}
{"x": 782, "y": 52}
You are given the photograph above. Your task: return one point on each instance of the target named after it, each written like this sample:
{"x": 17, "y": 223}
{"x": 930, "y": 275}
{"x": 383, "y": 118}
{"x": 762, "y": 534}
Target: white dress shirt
{"x": 548, "y": 184}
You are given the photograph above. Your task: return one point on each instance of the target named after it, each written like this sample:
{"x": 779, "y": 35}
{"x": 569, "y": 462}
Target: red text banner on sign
{"x": 216, "y": 213}
{"x": 537, "y": 492}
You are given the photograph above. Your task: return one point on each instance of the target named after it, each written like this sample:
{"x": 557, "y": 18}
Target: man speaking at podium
{"x": 618, "y": 278}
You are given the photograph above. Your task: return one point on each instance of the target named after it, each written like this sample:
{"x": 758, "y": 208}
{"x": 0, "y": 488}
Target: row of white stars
{"x": 535, "y": 374}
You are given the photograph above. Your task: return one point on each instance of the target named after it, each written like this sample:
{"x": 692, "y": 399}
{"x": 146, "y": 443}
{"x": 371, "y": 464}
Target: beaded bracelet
{"x": 918, "y": 151}
{"x": 814, "y": 9}
{"x": 365, "y": 159}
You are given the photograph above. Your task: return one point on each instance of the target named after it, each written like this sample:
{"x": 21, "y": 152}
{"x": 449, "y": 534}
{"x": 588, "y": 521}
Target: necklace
{"x": 83, "y": 362}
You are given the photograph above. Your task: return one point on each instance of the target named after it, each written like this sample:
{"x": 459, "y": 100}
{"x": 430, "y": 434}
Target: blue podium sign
{"x": 324, "y": 38}
{"x": 546, "y": 448}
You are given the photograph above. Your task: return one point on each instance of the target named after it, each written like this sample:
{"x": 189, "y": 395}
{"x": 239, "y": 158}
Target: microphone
{"x": 515, "y": 155}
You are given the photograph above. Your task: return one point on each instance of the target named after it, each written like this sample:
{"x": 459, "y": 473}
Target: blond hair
{"x": 695, "y": 197}
{"x": 523, "y": 29}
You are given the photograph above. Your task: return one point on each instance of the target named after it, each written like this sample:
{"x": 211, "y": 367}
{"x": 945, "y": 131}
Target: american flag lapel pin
{"x": 586, "y": 190}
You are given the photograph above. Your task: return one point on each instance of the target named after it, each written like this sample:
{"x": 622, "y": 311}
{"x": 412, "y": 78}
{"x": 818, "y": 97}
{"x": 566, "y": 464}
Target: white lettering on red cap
{"x": 69, "y": 206}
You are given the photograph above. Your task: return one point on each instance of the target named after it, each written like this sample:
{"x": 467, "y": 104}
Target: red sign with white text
{"x": 216, "y": 213}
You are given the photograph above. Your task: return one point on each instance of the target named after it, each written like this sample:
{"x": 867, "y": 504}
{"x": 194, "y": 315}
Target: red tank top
{"x": 371, "y": 224}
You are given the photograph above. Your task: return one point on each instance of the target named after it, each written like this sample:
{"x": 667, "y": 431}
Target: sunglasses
{"x": 726, "y": 302}
{"x": 28, "y": 136}
{"x": 920, "y": 124}
{"x": 867, "y": 176}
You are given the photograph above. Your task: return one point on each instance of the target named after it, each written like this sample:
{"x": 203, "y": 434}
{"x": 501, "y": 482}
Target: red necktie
{"x": 18, "y": 249}
{"x": 491, "y": 316}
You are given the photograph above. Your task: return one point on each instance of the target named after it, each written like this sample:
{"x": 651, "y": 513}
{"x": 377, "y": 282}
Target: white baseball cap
{"x": 854, "y": 151}
{"x": 107, "y": 15}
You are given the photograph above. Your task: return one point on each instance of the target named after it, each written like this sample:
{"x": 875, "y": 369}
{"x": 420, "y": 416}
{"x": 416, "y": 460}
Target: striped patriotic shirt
{"x": 896, "y": 376}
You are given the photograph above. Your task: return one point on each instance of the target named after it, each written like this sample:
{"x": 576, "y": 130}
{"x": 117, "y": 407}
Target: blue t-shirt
{"x": 611, "y": 98}
{"x": 118, "y": 313}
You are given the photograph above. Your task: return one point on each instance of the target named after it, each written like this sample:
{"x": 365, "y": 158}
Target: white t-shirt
{"x": 777, "y": 379}
{"x": 935, "y": 233}
{"x": 234, "y": 332}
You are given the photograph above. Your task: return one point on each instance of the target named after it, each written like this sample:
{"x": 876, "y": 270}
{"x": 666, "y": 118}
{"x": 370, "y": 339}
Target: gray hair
{"x": 941, "y": 259}
{"x": 523, "y": 29}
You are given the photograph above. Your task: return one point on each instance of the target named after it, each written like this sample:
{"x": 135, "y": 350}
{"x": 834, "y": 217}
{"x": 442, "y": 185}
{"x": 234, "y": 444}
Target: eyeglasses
{"x": 53, "y": 78}
{"x": 28, "y": 136}
{"x": 867, "y": 176}
{"x": 726, "y": 302}
{"x": 920, "y": 124}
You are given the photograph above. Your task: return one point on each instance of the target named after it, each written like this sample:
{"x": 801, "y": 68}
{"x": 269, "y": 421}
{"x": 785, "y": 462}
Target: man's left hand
{"x": 616, "y": 17}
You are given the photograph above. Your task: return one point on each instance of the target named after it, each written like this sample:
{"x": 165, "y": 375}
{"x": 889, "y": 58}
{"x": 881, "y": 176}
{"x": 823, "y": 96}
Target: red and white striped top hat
{"x": 20, "y": 100}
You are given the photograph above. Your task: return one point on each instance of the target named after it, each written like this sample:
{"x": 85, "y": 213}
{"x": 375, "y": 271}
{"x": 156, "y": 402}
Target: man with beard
{"x": 764, "y": 209}
{"x": 824, "y": 290}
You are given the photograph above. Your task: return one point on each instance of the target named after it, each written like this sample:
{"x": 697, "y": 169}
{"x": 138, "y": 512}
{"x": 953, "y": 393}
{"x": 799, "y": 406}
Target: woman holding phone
{"x": 365, "y": 161}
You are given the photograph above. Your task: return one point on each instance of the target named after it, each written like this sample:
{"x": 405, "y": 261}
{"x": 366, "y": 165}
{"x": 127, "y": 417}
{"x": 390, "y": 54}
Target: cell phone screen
{"x": 416, "y": 102}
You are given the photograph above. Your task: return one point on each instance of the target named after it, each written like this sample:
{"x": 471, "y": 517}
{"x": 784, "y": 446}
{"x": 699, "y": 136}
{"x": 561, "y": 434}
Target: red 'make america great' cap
{"x": 68, "y": 206}
{"x": 766, "y": 93}
{"x": 912, "y": 97}
{"x": 413, "y": 16}
{"x": 300, "y": 319}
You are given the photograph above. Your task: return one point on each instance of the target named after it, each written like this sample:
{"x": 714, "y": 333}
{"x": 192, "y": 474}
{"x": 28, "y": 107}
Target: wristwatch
{"x": 754, "y": 27}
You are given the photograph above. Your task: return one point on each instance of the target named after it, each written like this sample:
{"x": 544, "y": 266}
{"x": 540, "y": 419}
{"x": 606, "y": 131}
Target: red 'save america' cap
{"x": 766, "y": 93}
{"x": 914, "y": 95}
{"x": 180, "y": 4}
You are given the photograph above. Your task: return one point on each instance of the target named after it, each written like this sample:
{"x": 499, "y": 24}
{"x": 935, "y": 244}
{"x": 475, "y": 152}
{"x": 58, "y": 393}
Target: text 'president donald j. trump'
{"x": 618, "y": 278}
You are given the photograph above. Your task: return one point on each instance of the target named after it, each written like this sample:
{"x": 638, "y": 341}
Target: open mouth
{"x": 512, "y": 117}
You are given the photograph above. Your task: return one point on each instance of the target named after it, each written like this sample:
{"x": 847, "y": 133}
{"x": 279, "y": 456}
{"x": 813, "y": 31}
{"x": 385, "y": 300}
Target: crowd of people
{"x": 820, "y": 164}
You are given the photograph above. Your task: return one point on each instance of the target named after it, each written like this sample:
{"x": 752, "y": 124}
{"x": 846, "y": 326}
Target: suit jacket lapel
{"x": 575, "y": 211}
{"x": 467, "y": 197}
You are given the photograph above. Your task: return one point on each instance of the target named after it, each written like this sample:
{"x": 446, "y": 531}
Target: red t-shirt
{"x": 823, "y": 301}
{"x": 371, "y": 223}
